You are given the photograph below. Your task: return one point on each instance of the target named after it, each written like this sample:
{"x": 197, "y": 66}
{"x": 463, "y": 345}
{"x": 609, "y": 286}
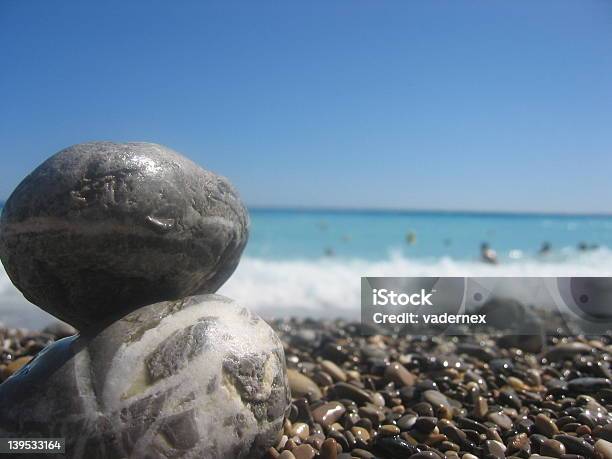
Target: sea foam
{"x": 330, "y": 287}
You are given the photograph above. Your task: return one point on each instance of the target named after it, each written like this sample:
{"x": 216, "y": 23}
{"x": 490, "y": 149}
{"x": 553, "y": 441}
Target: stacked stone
{"x": 128, "y": 243}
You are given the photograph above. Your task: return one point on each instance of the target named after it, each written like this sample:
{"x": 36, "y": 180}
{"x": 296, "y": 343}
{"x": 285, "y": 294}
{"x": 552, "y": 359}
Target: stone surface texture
{"x": 102, "y": 225}
{"x": 197, "y": 377}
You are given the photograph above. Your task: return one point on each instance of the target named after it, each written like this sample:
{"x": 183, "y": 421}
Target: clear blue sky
{"x": 488, "y": 105}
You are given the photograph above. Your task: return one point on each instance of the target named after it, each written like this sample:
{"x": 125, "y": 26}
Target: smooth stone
{"x": 495, "y": 448}
{"x": 453, "y": 433}
{"x": 575, "y": 445}
{"x": 588, "y": 385}
{"x": 300, "y": 430}
{"x": 286, "y": 455}
{"x": 605, "y": 432}
{"x": 552, "y": 448}
{"x": 101, "y": 228}
{"x": 197, "y": 377}
{"x": 397, "y": 373}
{"x": 303, "y": 452}
{"x": 302, "y": 386}
{"x": 389, "y": 430}
{"x": 351, "y": 392}
{"x": 437, "y": 399}
{"x": 567, "y": 351}
{"x": 334, "y": 371}
{"x": 519, "y": 445}
{"x": 406, "y": 422}
{"x": 395, "y": 446}
{"x": 426, "y": 424}
{"x": 481, "y": 407}
{"x": 328, "y": 413}
{"x": 361, "y": 433}
{"x": 546, "y": 426}
{"x": 500, "y": 419}
{"x": 329, "y": 449}
{"x": 603, "y": 448}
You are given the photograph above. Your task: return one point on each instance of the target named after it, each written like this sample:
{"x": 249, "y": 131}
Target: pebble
{"x": 481, "y": 407}
{"x": 603, "y": 448}
{"x": 329, "y": 449}
{"x": 567, "y": 351}
{"x": 347, "y": 390}
{"x": 574, "y": 445}
{"x": 302, "y": 386}
{"x": 437, "y": 399}
{"x": 426, "y": 424}
{"x": 207, "y": 359}
{"x": 328, "y": 413}
{"x": 86, "y": 210}
{"x": 334, "y": 371}
{"x": 546, "y": 426}
{"x": 304, "y": 452}
{"x": 502, "y": 420}
{"x": 552, "y": 448}
{"x": 397, "y": 373}
{"x": 588, "y": 385}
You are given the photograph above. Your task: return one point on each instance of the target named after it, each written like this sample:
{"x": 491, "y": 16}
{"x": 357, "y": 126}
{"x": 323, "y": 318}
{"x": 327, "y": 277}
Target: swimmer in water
{"x": 487, "y": 254}
{"x": 546, "y": 248}
{"x": 410, "y": 237}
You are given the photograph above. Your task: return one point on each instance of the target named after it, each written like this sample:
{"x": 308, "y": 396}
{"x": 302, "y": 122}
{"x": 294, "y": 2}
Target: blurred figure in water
{"x": 329, "y": 252}
{"x": 410, "y": 237}
{"x": 487, "y": 254}
{"x": 546, "y": 248}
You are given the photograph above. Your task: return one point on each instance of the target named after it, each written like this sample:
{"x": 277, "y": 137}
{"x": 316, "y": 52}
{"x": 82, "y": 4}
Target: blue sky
{"x": 487, "y": 105}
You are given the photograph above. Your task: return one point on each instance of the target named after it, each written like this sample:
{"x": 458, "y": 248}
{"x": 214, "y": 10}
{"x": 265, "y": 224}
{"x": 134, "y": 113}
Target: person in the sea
{"x": 410, "y": 237}
{"x": 546, "y": 248}
{"x": 487, "y": 254}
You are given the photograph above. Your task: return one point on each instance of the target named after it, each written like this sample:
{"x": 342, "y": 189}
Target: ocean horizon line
{"x": 385, "y": 211}
{"x": 426, "y": 212}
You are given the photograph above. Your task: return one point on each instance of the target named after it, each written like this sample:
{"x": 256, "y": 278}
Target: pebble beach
{"x": 356, "y": 396}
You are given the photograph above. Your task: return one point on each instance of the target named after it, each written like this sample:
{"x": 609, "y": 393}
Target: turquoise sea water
{"x": 371, "y": 235}
{"x": 300, "y": 262}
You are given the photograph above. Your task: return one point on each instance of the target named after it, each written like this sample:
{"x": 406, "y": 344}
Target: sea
{"x": 308, "y": 262}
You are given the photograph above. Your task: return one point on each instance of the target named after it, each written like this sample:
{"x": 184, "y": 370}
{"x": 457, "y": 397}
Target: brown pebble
{"x": 481, "y": 407}
{"x": 545, "y": 426}
{"x": 300, "y": 430}
{"x": 302, "y": 386}
{"x": 361, "y": 433}
{"x": 397, "y": 373}
{"x": 286, "y": 455}
{"x": 329, "y": 449}
{"x": 334, "y": 371}
{"x": 552, "y": 448}
{"x": 328, "y": 413}
{"x": 389, "y": 430}
{"x": 304, "y": 452}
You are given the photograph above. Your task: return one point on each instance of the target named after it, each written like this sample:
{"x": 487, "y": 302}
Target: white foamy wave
{"x": 331, "y": 287}
{"x": 15, "y": 310}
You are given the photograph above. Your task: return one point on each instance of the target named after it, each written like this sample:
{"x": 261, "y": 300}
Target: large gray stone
{"x": 198, "y": 377}
{"x": 102, "y": 225}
